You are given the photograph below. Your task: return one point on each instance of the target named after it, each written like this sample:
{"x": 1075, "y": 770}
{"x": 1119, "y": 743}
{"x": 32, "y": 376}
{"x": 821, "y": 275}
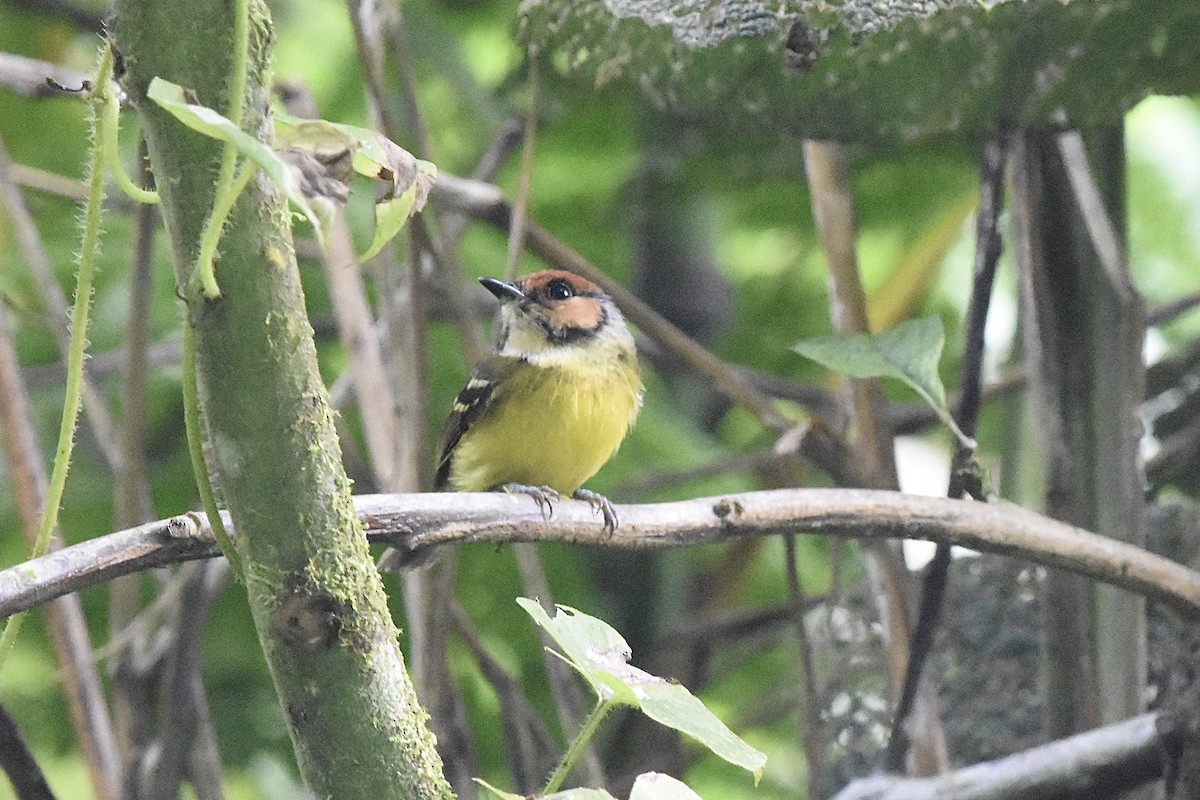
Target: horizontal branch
{"x": 1100, "y": 763}
{"x": 416, "y": 521}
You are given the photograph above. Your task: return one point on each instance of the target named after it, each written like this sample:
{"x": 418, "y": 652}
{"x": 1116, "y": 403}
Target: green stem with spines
{"x": 112, "y": 159}
{"x": 89, "y": 249}
{"x": 579, "y": 745}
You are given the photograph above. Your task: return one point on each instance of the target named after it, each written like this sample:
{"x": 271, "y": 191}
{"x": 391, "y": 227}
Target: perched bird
{"x": 552, "y": 402}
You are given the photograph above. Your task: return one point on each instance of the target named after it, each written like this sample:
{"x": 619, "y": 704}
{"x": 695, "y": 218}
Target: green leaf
{"x": 370, "y": 154}
{"x": 910, "y": 351}
{"x": 569, "y": 794}
{"x": 602, "y": 656}
{"x": 657, "y": 786}
{"x": 204, "y": 120}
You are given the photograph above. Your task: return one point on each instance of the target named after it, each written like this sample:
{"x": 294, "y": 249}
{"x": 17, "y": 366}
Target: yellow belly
{"x": 549, "y": 426}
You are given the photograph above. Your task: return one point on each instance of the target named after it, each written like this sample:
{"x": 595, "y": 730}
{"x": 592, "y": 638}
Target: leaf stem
{"x": 195, "y": 440}
{"x": 88, "y": 251}
{"x": 214, "y": 226}
{"x": 579, "y": 745}
{"x": 112, "y": 159}
{"x": 226, "y": 193}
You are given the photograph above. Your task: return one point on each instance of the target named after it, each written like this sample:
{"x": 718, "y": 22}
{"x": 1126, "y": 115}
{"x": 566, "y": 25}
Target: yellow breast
{"x": 551, "y": 425}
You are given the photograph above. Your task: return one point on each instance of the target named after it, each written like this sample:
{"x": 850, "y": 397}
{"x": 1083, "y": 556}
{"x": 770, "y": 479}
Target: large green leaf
{"x": 910, "y": 351}
{"x": 601, "y": 655}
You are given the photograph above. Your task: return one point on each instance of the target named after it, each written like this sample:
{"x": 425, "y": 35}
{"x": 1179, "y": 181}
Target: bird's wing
{"x": 470, "y": 404}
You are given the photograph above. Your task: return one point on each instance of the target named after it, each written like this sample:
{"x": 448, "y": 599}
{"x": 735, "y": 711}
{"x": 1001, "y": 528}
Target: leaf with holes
{"x": 202, "y": 119}
{"x": 601, "y": 655}
{"x": 371, "y": 154}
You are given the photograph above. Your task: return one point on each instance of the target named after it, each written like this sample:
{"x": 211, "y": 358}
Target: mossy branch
{"x": 316, "y": 598}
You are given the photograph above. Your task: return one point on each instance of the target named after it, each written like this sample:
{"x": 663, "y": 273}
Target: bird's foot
{"x": 542, "y": 495}
{"x": 600, "y": 503}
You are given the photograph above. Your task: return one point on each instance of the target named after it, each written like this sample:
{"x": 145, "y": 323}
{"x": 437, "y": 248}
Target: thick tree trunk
{"x": 316, "y": 598}
{"x": 1084, "y": 324}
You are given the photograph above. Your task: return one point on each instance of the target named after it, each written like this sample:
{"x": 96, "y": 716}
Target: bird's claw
{"x": 600, "y": 503}
{"x": 542, "y": 495}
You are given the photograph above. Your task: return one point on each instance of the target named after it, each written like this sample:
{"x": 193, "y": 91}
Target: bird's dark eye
{"x": 559, "y": 290}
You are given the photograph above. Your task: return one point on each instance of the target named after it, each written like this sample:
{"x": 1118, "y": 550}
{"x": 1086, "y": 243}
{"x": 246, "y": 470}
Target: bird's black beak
{"x": 505, "y": 291}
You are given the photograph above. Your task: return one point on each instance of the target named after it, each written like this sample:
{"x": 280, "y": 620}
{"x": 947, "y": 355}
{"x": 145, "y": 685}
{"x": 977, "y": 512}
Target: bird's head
{"x": 549, "y": 314}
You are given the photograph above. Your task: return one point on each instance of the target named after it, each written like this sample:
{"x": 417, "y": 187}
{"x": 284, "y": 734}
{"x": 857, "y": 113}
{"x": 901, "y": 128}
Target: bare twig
{"x": 531, "y": 749}
{"x": 1106, "y": 241}
{"x": 1101, "y": 763}
{"x": 833, "y": 212}
{"x": 813, "y": 734}
{"x": 564, "y": 685}
{"x": 356, "y": 328}
{"x": 970, "y": 390}
{"x": 49, "y": 182}
{"x": 520, "y": 208}
{"x": 132, "y": 505}
{"x": 425, "y": 520}
{"x": 28, "y": 76}
{"x": 1170, "y": 310}
{"x": 17, "y": 761}
{"x": 178, "y": 712}
{"x": 427, "y": 593}
{"x": 395, "y": 32}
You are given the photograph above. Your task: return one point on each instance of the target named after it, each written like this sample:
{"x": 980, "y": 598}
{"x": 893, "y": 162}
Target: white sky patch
{"x": 924, "y": 469}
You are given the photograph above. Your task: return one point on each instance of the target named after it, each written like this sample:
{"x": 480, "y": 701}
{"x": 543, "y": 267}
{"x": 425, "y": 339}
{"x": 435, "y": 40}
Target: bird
{"x": 552, "y": 402}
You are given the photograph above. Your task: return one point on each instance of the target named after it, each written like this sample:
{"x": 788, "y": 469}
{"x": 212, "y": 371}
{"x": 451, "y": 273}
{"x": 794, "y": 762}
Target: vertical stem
{"x": 520, "y": 209}
{"x": 578, "y": 746}
{"x": 1083, "y": 331}
{"x": 970, "y": 392}
{"x": 89, "y": 249}
{"x": 833, "y": 211}
{"x": 317, "y": 601}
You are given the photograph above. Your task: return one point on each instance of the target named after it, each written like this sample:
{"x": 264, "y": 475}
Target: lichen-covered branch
{"x": 427, "y": 520}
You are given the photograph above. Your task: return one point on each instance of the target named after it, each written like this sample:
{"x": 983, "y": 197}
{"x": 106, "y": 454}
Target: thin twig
{"x": 812, "y": 729}
{"x": 414, "y": 521}
{"x": 833, "y": 213}
{"x": 427, "y": 593}
{"x": 31, "y": 78}
{"x": 1100, "y": 763}
{"x": 531, "y": 749}
{"x": 132, "y": 504}
{"x": 356, "y": 329}
{"x": 178, "y": 723}
{"x": 1170, "y": 310}
{"x": 520, "y": 208}
{"x": 569, "y": 700}
{"x": 970, "y": 389}
{"x": 26, "y": 777}
{"x": 1106, "y": 241}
